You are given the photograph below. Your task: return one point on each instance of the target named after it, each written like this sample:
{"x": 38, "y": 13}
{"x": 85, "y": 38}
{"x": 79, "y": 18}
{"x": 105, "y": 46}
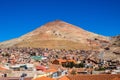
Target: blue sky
{"x": 18, "y": 17}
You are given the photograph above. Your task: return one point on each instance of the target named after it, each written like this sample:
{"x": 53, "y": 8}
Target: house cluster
{"x": 43, "y": 62}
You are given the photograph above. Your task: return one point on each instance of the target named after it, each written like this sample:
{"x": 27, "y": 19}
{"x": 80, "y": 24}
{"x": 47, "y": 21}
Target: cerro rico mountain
{"x": 59, "y": 35}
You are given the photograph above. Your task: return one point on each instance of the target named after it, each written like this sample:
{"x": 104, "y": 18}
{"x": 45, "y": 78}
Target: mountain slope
{"x": 112, "y": 51}
{"x": 58, "y": 34}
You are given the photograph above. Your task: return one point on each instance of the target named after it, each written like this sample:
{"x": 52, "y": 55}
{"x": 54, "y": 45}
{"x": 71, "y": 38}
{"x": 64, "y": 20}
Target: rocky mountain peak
{"x": 58, "y": 34}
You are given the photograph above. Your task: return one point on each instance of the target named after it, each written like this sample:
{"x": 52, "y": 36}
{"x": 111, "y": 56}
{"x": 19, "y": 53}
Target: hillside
{"x": 58, "y": 34}
{"x": 113, "y": 50}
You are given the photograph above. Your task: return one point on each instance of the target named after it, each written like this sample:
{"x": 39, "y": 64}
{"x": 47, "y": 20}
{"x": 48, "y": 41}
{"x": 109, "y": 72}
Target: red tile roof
{"x": 94, "y": 77}
{"x": 63, "y": 61}
{"x": 116, "y": 78}
{"x": 1, "y": 68}
{"x": 51, "y": 70}
{"x": 40, "y": 68}
{"x": 44, "y": 78}
{"x": 64, "y": 78}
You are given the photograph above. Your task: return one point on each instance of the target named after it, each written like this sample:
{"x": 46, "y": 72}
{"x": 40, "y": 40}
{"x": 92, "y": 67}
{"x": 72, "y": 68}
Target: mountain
{"x": 115, "y": 41}
{"x": 61, "y": 35}
{"x": 113, "y": 49}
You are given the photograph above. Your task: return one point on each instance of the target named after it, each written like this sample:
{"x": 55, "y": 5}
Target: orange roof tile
{"x": 61, "y": 60}
{"x": 64, "y": 78}
{"x": 44, "y": 78}
{"x": 116, "y": 78}
{"x": 94, "y": 77}
{"x": 40, "y": 68}
{"x": 51, "y": 70}
{"x": 1, "y": 68}
{"x": 71, "y": 61}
